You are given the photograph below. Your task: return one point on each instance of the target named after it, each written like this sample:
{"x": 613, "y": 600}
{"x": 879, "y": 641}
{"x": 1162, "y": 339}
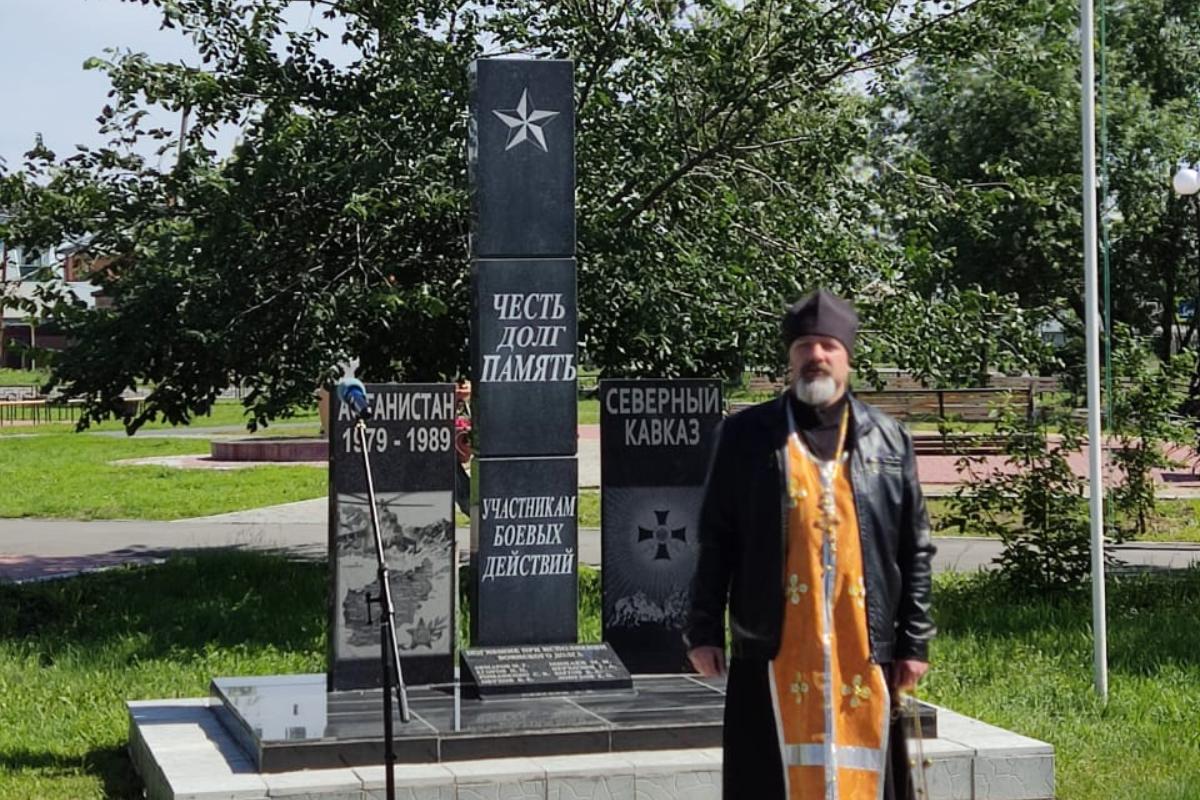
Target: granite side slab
{"x": 182, "y": 752}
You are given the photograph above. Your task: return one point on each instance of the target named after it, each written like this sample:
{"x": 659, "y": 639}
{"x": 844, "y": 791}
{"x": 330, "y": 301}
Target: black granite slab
{"x": 521, "y": 158}
{"x": 544, "y": 669}
{"x": 410, "y": 437}
{"x": 523, "y": 357}
{"x": 524, "y": 555}
{"x": 289, "y": 722}
{"x": 655, "y": 440}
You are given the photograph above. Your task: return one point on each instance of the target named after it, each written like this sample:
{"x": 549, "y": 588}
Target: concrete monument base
{"x": 182, "y": 751}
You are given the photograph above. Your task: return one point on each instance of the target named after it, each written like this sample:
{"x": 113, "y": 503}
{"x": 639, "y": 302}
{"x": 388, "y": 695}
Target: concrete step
{"x": 182, "y": 751}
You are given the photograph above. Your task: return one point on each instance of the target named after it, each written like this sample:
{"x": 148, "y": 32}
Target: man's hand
{"x": 709, "y": 661}
{"x": 906, "y": 674}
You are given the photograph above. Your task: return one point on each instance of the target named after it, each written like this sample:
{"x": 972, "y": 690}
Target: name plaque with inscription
{"x": 545, "y": 669}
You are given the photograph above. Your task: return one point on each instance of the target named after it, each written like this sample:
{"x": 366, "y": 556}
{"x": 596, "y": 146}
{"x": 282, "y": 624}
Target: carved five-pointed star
{"x": 525, "y": 123}
{"x": 422, "y": 634}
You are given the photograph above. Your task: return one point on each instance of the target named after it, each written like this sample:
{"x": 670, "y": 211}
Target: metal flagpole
{"x": 1091, "y": 302}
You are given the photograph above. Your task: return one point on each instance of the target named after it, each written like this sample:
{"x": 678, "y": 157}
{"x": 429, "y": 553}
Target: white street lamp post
{"x": 1092, "y": 346}
{"x": 1186, "y": 182}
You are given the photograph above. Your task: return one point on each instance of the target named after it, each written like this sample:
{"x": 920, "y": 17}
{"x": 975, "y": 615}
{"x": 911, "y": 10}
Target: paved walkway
{"x": 940, "y": 475}
{"x": 39, "y": 549}
{"x": 202, "y": 432}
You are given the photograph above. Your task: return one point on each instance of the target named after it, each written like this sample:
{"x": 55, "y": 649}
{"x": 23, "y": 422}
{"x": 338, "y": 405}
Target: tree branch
{"x": 602, "y": 59}
{"x": 726, "y": 138}
{"x": 750, "y": 148}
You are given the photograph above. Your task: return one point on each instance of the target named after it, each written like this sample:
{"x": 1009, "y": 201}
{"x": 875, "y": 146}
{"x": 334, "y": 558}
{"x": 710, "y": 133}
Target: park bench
{"x": 915, "y": 405}
{"x": 22, "y": 403}
{"x": 1040, "y": 384}
{"x": 38, "y": 410}
{"x": 32, "y": 410}
{"x": 64, "y": 410}
{"x": 964, "y": 405}
{"x": 763, "y": 384}
{"x": 958, "y": 444}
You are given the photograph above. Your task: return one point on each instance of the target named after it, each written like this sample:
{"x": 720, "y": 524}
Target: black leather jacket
{"x": 743, "y": 535}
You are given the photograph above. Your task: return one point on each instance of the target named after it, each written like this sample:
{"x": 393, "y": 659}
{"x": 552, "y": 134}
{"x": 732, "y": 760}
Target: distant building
{"x": 22, "y": 272}
{"x": 1053, "y": 333}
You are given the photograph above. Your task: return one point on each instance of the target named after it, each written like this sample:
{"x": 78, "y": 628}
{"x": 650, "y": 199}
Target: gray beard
{"x": 818, "y": 392}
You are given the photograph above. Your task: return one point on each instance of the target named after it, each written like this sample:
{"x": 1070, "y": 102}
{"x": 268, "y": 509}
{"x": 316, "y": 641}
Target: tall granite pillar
{"x": 524, "y": 486}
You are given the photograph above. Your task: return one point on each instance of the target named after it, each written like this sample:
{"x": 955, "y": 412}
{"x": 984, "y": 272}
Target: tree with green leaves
{"x": 1000, "y": 130}
{"x": 1034, "y": 503}
{"x": 720, "y": 175}
{"x": 1147, "y": 428}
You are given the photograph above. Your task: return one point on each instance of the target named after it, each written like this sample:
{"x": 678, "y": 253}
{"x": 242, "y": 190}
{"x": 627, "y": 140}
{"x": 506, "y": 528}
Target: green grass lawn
{"x": 1178, "y": 521}
{"x": 1024, "y": 663}
{"x": 72, "y": 651}
{"x": 23, "y": 377}
{"x": 68, "y": 475}
{"x": 224, "y": 414}
{"x": 589, "y": 412}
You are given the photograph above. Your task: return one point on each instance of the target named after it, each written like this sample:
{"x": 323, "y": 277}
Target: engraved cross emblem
{"x": 661, "y": 536}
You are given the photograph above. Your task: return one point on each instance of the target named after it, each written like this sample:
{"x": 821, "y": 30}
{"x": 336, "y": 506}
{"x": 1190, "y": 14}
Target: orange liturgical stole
{"x": 831, "y": 702}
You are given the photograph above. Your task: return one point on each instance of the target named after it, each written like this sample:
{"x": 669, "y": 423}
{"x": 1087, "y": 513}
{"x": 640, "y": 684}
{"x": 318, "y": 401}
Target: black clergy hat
{"x": 821, "y": 313}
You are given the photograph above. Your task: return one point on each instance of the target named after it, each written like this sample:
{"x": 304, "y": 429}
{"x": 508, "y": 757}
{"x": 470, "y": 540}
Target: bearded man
{"x": 814, "y": 531}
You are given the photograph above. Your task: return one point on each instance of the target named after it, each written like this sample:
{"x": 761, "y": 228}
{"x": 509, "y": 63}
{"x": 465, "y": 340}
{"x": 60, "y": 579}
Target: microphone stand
{"x": 389, "y": 651}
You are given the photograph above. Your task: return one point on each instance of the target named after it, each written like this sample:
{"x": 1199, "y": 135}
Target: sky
{"x": 44, "y": 87}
